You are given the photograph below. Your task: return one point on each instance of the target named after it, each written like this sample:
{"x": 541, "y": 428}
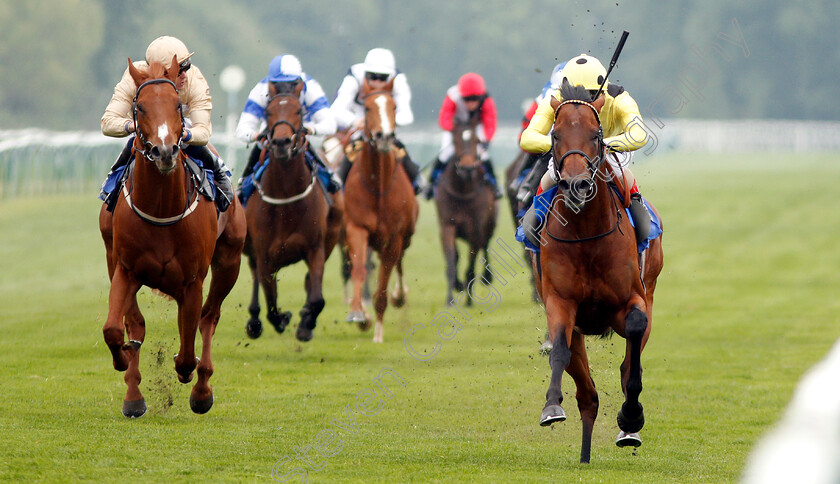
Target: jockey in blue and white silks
{"x": 317, "y": 117}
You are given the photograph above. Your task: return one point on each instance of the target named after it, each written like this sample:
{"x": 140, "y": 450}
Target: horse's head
{"x": 284, "y": 115}
{"x": 380, "y": 116}
{"x": 158, "y": 120}
{"x": 577, "y": 144}
{"x": 465, "y": 141}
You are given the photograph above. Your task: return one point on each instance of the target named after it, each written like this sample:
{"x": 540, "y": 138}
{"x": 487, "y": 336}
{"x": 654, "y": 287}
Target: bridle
{"x": 367, "y": 139}
{"x": 145, "y": 144}
{"x": 592, "y": 165}
{"x": 298, "y": 134}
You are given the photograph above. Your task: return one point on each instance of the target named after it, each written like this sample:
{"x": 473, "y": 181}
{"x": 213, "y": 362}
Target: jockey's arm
{"x": 320, "y": 119}
{"x": 402, "y": 98}
{"x": 536, "y": 138}
{"x": 199, "y": 105}
{"x": 488, "y": 119}
{"x": 253, "y": 114}
{"x": 342, "y": 106}
{"x": 447, "y": 114}
{"x": 628, "y": 121}
{"x": 118, "y": 113}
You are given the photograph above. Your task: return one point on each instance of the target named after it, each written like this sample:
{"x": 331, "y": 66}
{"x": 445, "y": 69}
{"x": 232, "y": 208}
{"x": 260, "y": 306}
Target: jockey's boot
{"x": 343, "y": 169}
{"x": 532, "y": 181}
{"x": 224, "y": 192}
{"x": 640, "y": 215}
{"x": 534, "y": 218}
{"x": 110, "y": 199}
{"x": 241, "y": 191}
{"x": 490, "y": 174}
{"x": 411, "y": 168}
{"x": 334, "y": 184}
{"x": 437, "y": 169}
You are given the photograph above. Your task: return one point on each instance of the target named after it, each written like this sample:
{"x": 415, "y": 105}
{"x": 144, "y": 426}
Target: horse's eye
{"x": 140, "y": 108}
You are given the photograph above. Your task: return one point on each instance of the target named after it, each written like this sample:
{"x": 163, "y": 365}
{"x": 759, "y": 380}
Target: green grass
{"x": 745, "y": 304}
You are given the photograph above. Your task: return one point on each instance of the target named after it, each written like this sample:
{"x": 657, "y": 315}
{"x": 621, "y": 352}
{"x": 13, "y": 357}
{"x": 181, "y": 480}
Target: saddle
{"x": 202, "y": 179}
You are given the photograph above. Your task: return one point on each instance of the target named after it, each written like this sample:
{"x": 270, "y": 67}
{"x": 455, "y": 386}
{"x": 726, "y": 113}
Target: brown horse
{"x": 290, "y": 219}
{"x": 164, "y": 235}
{"x": 590, "y": 276}
{"x": 381, "y": 210}
{"x": 466, "y": 208}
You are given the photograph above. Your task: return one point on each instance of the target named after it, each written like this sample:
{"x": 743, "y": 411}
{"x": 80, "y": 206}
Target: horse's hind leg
{"x": 400, "y": 288}
{"x": 587, "y": 396}
{"x": 314, "y": 295}
{"x": 134, "y": 404}
{"x": 631, "y": 417}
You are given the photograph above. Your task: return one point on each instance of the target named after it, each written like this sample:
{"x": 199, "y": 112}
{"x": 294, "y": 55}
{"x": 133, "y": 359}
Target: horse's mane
{"x": 577, "y": 92}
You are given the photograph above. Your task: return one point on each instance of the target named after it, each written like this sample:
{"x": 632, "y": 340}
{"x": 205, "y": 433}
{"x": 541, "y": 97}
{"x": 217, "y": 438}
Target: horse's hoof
{"x": 366, "y": 324}
{"x": 630, "y": 425}
{"x": 551, "y": 414}
{"x": 281, "y": 321}
{"x": 303, "y": 333}
{"x": 201, "y": 406}
{"x": 356, "y": 317}
{"x": 253, "y": 328}
{"x": 134, "y": 408}
{"x": 628, "y": 440}
{"x": 397, "y": 301}
{"x": 188, "y": 377}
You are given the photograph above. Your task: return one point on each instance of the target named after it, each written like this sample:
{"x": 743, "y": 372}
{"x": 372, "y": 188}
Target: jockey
{"x": 550, "y": 86}
{"x": 377, "y": 70}
{"x": 317, "y": 117}
{"x": 196, "y": 104}
{"x": 622, "y": 131}
{"x": 463, "y": 102}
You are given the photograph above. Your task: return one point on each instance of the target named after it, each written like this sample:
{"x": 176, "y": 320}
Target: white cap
{"x": 380, "y": 61}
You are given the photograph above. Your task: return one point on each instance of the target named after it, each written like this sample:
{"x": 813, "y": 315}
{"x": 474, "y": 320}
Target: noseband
{"x": 592, "y": 165}
{"x": 145, "y": 143}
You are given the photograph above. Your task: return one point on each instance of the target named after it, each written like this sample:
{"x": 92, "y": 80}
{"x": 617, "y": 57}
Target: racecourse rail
{"x": 36, "y": 162}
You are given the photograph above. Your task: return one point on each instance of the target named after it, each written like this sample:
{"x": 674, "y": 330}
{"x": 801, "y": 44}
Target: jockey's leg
{"x": 110, "y": 198}
{"x": 437, "y": 169}
{"x": 334, "y": 184}
{"x": 411, "y": 168}
{"x": 535, "y": 217}
{"x": 221, "y": 174}
{"x": 529, "y": 184}
{"x": 253, "y": 158}
{"x": 638, "y": 211}
{"x": 491, "y": 177}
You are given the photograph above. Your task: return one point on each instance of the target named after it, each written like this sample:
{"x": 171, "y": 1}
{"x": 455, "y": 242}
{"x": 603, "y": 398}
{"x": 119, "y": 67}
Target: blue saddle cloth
{"x": 655, "y": 225}
{"x": 116, "y": 178}
{"x": 247, "y": 187}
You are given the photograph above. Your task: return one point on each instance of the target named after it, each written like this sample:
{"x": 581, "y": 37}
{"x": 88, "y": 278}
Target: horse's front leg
{"x": 265, "y": 274}
{"x": 357, "y": 248}
{"x": 314, "y": 296}
{"x": 189, "y": 312}
{"x": 560, "y": 315}
{"x": 253, "y": 328}
{"x": 631, "y": 417}
{"x": 450, "y": 254}
{"x": 469, "y": 275}
{"x": 120, "y": 297}
{"x": 388, "y": 259}
{"x": 134, "y": 404}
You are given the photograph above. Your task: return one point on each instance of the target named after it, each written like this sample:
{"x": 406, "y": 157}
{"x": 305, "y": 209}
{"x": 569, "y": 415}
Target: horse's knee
{"x": 560, "y": 355}
{"x": 635, "y": 324}
{"x": 113, "y": 336}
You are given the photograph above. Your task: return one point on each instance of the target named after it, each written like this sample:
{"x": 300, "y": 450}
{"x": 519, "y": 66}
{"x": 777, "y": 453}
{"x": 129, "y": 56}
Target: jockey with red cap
{"x": 468, "y": 100}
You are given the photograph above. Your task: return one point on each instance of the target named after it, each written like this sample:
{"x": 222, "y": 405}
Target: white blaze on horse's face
{"x": 385, "y": 121}
{"x": 163, "y": 132}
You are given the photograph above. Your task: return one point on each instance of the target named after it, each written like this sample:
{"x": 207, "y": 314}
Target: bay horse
{"x": 163, "y": 234}
{"x": 589, "y": 271}
{"x": 466, "y": 208}
{"x": 288, "y": 219}
{"x": 381, "y": 211}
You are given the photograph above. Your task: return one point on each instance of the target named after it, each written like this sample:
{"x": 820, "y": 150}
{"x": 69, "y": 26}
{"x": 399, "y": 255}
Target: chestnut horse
{"x": 466, "y": 208}
{"x": 290, "y": 220}
{"x": 381, "y": 210}
{"x": 589, "y": 271}
{"x": 164, "y": 235}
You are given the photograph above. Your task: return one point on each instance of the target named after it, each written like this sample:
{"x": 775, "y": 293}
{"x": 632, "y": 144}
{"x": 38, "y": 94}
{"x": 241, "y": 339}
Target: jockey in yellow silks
{"x": 620, "y": 120}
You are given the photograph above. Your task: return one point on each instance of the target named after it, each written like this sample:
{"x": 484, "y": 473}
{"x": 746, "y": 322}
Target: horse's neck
{"x": 378, "y": 166}
{"x": 156, "y": 193}
{"x": 288, "y": 177}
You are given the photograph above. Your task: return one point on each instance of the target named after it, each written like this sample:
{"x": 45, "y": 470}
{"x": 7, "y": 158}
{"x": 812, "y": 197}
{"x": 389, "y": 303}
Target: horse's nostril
{"x": 155, "y": 152}
{"x": 175, "y": 149}
{"x": 563, "y": 184}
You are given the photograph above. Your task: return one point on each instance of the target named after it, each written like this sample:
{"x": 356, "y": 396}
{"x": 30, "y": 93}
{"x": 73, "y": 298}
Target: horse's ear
{"x": 554, "y": 103}
{"x": 365, "y": 88}
{"x": 299, "y": 87}
{"x": 599, "y": 103}
{"x": 390, "y": 85}
{"x": 135, "y": 73}
{"x": 174, "y": 69}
